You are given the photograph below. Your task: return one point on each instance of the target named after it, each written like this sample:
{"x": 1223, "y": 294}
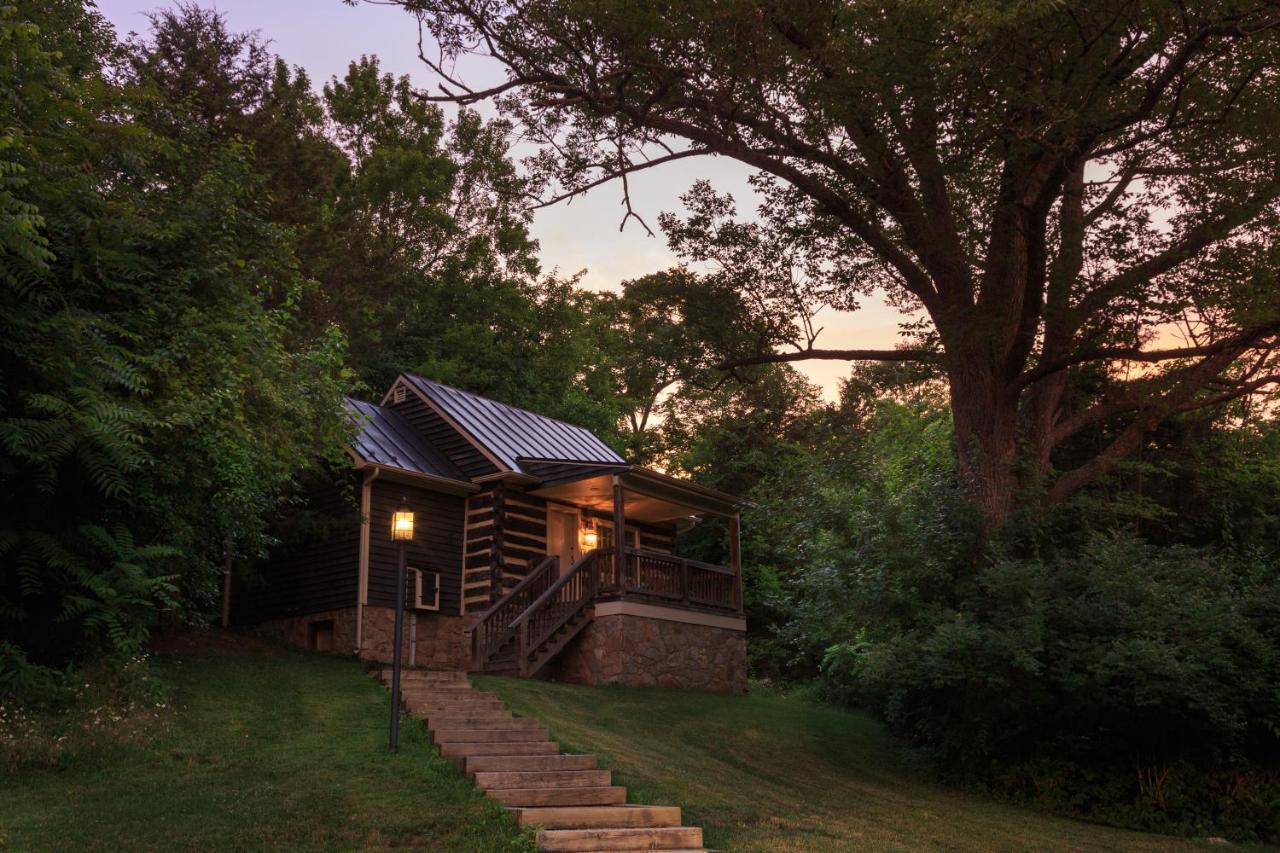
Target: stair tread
{"x": 657, "y": 838}
{"x": 600, "y": 817}
{"x": 481, "y": 763}
{"x": 513, "y": 760}
{"x": 518, "y": 798}
{"x": 493, "y": 779}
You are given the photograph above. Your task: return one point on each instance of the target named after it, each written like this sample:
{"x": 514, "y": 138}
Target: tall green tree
{"x": 663, "y": 333}
{"x": 413, "y": 226}
{"x": 158, "y": 394}
{"x": 1053, "y": 187}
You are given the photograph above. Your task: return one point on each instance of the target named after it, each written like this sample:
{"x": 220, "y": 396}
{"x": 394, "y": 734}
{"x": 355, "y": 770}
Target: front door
{"x": 562, "y": 536}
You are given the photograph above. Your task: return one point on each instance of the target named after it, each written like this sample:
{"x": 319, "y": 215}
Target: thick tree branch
{"x": 920, "y": 355}
{"x": 1243, "y": 339}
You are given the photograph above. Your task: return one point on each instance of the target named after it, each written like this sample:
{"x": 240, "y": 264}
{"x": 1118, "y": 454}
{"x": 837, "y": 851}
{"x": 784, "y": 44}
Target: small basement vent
{"x": 398, "y": 393}
{"x": 426, "y": 589}
{"x": 320, "y": 636}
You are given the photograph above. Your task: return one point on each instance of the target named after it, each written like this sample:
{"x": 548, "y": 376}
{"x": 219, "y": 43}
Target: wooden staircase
{"x": 529, "y": 625}
{"x": 574, "y": 804}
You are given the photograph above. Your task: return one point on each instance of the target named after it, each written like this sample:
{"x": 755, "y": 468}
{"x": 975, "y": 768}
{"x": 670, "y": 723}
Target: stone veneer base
{"x": 650, "y": 646}
{"x": 441, "y": 642}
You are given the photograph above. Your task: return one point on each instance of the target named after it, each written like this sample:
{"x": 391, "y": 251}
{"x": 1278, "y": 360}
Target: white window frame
{"x": 418, "y": 604}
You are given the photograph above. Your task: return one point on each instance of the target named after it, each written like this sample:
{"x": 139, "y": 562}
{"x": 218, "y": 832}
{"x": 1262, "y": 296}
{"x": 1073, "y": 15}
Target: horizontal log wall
{"x": 477, "y": 557}
{"x": 524, "y": 542}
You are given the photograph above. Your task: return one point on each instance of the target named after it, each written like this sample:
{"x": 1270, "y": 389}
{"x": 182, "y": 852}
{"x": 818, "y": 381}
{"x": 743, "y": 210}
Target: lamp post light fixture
{"x": 401, "y": 532}
{"x": 590, "y": 538}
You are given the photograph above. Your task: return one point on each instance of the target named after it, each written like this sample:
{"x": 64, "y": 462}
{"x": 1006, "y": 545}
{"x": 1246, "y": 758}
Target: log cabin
{"x": 537, "y": 551}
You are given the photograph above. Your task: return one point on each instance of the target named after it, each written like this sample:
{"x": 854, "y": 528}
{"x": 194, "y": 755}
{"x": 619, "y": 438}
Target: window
{"x": 426, "y": 589}
{"x": 606, "y": 535}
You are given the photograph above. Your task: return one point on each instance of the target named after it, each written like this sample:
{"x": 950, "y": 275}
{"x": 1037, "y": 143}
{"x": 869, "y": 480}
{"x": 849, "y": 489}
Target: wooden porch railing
{"x": 564, "y": 601}
{"x": 659, "y": 575}
{"x": 494, "y": 628}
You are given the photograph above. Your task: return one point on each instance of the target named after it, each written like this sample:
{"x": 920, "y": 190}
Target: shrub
{"x": 1117, "y": 679}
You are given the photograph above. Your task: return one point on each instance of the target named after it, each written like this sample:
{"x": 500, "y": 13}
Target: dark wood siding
{"x": 316, "y": 567}
{"x": 461, "y": 452}
{"x": 436, "y": 545}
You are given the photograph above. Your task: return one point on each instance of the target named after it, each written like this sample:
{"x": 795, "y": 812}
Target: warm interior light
{"x": 590, "y": 539}
{"x": 402, "y": 523}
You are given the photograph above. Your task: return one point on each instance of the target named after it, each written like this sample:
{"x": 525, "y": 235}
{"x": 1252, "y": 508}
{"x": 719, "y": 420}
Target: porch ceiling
{"x": 647, "y": 497}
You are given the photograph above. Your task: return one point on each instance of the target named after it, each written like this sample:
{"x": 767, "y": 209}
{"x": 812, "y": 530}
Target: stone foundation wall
{"x": 441, "y": 643}
{"x": 296, "y": 630}
{"x": 647, "y": 651}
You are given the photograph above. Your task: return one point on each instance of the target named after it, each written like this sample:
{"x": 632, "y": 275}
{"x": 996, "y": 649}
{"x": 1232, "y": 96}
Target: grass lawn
{"x": 272, "y": 749}
{"x": 774, "y": 773}
{"x": 267, "y": 749}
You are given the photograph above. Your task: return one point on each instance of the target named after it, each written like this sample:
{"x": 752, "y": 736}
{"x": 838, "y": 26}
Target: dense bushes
{"x": 1105, "y": 680}
{"x": 158, "y": 394}
{"x": 1111, "y": 661}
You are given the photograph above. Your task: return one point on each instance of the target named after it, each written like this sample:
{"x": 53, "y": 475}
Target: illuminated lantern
{"x": 402, "y": 523}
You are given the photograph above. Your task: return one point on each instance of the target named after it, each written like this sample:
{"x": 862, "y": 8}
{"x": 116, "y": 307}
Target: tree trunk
{"x": 986, "y": 435}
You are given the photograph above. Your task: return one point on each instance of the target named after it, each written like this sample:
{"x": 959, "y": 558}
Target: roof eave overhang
{"x": 514, "y": 478}
{"x": 417, "y": 478}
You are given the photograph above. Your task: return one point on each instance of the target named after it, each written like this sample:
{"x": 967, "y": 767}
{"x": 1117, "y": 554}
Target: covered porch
{"x": 623, "y": 498}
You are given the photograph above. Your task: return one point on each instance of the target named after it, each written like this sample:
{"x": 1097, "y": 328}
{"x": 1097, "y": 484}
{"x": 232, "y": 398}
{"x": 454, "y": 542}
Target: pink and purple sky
{"x": 324, "y": 35}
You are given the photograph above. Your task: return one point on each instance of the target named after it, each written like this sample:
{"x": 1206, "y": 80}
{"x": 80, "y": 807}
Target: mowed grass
{"x": 774, "y": 773}
{"x": 266, "y": 749}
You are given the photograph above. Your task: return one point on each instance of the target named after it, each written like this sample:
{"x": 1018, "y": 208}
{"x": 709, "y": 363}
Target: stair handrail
{"x": 487, "y": 637}
{"x": 584, "y": 595}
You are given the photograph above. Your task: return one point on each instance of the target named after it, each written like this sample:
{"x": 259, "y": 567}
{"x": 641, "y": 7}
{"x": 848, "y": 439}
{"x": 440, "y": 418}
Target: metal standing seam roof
{"x": 510, "y": 433}
{"x": 386, "y": 438}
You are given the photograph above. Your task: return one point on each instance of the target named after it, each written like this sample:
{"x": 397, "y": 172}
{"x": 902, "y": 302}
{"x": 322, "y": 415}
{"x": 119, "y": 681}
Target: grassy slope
{"x": 268, "y": 749}
{"x": 275, "y": 749}
{"x": 770, "y": 773}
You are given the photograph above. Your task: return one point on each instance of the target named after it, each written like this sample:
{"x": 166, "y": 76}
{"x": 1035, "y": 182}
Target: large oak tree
{"x": 1054, "y": 188}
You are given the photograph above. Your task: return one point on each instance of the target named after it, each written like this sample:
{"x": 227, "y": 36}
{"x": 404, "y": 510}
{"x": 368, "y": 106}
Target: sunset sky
{"x": 324, "y": 35}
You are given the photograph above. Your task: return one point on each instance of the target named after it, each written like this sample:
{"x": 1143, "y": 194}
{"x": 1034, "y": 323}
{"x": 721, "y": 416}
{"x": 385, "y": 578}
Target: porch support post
{"x": 619, "y": 535}
{"x": 735, "y": 556}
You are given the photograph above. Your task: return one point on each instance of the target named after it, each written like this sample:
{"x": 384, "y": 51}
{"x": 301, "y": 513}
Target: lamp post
{"x": 401, "y": 532}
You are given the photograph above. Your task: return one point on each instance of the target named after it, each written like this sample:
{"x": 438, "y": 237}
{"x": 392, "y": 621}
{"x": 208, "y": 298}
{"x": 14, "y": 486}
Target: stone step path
{"x": 574, "y": 803}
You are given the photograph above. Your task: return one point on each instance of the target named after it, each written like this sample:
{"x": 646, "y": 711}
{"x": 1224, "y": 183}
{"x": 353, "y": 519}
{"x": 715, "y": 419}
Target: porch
{"x": 560, "y": 597}
{"x": 620, "y": 498}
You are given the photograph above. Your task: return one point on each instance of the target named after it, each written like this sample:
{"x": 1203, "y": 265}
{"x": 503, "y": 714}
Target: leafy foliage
{"x": 159, "y": 395}
{"x": 1107, "y": 662}
{"x": 1048, "y": 193}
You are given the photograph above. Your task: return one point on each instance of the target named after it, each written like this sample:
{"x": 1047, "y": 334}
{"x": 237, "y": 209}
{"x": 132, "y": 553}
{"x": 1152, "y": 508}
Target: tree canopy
{"x": 1078, "y": 203}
